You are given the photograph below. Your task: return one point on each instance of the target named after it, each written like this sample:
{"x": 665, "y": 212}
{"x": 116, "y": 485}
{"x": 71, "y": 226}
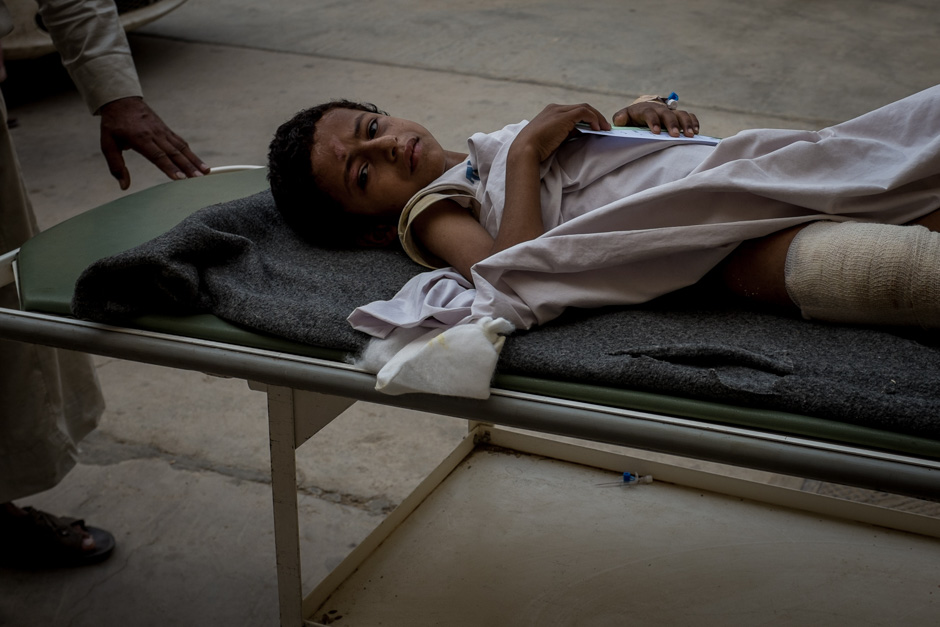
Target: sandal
{"x": 41, "y": 540}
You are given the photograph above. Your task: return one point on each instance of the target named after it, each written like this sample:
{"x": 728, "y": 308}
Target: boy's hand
{"x": 657, "y": 116}
{"x": 545, "y": 133}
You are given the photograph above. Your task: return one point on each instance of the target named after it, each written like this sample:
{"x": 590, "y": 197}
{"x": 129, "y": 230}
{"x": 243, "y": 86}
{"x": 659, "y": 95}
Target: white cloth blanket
{"x": 882, "y": 167}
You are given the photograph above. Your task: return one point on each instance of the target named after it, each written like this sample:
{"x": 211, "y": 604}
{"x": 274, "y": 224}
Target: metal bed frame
{"x": 305, "y": 394}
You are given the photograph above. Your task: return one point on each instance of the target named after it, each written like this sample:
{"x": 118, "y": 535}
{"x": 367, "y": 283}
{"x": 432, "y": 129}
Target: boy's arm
{"x": 536, "y": 142}
{"x": 450, "y": 233}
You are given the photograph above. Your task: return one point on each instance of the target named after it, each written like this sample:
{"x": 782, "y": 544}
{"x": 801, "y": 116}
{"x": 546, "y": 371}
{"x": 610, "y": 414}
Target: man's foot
{"x": 35, "y": 539}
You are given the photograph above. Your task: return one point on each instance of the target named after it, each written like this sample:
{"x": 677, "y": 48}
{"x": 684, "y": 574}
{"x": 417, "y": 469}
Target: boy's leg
{"x": 845, "y": 272}
{"x": 755, "y": 270}
{"x": 931, "y": 221}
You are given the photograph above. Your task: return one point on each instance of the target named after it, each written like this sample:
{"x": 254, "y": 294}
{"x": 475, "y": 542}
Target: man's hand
{"x": 657, "y": 116}
{"x": 130, "y": 124}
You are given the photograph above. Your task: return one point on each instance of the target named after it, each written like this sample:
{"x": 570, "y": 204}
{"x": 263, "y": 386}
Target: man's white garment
{"x": 49, "y": 398}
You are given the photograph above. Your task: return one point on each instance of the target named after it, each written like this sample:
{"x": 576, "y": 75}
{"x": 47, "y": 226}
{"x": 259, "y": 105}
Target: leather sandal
{"x": 41, "y": 540}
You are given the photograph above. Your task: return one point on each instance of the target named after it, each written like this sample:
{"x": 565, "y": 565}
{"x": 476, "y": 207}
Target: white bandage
{"x": 866, "y": 273}
{"x": 457, "y": 362}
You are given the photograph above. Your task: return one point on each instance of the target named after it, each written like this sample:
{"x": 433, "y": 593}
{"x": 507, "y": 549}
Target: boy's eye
{"x": 363, "y": 177}
{"x": 373, "y": 128}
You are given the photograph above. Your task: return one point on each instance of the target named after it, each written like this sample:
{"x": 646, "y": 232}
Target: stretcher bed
{"x": 308, "y": 386}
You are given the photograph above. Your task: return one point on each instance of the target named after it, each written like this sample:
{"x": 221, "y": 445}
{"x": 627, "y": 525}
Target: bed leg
{"x": 284, "y": 491}
{"x": 294, "y": 416}
{"x": 473, "y": 424}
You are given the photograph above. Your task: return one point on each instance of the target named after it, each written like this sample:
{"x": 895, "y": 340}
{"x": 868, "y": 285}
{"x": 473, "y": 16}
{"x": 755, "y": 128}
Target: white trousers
{"x": 49, "y": 398}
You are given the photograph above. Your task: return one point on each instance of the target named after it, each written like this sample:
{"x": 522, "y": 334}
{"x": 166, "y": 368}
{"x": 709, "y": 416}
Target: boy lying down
{"x": 840, "y": 224}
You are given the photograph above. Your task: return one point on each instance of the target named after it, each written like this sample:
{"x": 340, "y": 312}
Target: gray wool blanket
{"x": 240, "y": 262}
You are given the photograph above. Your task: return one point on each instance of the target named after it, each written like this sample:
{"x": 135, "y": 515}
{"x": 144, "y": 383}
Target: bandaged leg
{"x": 866, "y": 273}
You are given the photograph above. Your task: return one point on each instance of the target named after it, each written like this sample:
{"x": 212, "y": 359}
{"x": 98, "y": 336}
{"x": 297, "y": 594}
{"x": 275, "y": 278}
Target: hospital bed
{"x": 309, "y": 386}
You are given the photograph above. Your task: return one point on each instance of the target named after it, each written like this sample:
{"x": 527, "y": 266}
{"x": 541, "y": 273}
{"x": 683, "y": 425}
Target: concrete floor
{"x": 178, "y": 468}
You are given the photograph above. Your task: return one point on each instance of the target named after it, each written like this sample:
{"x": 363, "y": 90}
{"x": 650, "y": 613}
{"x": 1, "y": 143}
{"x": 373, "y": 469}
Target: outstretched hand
{"x": 657, "y": 116}
{"x": 130, "y": 124}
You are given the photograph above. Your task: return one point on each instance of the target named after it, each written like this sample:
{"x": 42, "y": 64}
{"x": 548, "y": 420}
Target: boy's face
{"x": 373, "y": 164}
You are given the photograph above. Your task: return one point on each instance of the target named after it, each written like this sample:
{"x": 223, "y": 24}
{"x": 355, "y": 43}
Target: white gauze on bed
{"x": 458, "y": 361}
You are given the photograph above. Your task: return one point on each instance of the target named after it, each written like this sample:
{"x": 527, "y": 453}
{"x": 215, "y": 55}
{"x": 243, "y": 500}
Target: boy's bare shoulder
{"x": 446, "y": 209}
{"x": 450, "y": 232}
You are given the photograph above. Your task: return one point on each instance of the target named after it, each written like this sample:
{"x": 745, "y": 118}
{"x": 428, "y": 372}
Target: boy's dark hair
{"x": 307, "y": 209}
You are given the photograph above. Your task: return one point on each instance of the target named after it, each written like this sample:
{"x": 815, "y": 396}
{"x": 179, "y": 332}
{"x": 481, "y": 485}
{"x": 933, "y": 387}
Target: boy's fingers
{"x": 651, "y": 117}
{"x": 600, "y": 119}
{"x": 659, "y": 118}
{"x": 621, "y": 117}
{"x": 687, "y": 124}
{"x": 588, "y": 114}
{"x": 670, "y": 121}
